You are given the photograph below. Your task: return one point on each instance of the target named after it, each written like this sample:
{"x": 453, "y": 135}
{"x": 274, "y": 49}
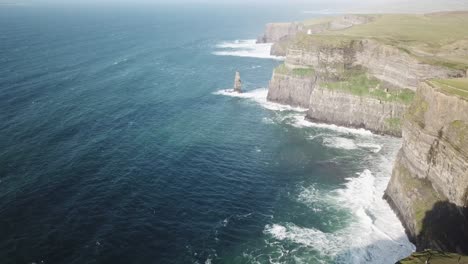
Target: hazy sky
{"x": 345, "y": 5}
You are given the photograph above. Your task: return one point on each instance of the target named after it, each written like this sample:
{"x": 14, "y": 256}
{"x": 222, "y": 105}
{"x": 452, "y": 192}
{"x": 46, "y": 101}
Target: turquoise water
{"x": 119, "y": 145}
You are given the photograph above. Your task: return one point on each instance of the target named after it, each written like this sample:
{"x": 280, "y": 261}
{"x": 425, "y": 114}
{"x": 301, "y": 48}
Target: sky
{"x": 346, "y": 5}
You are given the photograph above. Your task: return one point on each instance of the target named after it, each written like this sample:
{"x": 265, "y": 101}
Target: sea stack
{"x": 237, "y": 83}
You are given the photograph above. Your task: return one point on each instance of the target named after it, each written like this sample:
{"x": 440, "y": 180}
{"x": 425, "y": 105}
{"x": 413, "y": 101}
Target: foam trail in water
{"x": 300, "y": 121}
{"x": 260, "y": 96}
{"x": 339, "y": 143}
{"x": 376, "y": 148}
{"x": 375, "y": 235}
{"x": 246, "y": 48}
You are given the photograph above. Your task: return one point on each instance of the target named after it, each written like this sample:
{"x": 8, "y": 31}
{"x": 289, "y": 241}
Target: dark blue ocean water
{"x": 117, "y": 147}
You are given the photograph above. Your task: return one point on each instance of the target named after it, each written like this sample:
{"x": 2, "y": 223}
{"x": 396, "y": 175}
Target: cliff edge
{"x": 401, "y": 75}
{"x": 429, "y": 184}
{"x": 363, "y": 70}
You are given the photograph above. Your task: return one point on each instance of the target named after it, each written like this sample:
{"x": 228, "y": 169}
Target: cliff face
{"x": 395, "y": 66}
{"x": 372, "y": 72}
{"x": 281, "y": 34}
{"x": 290, "y": 89}
{"x": 275, "y": 32}
{"x": 384, "y": 62}
{"x": 429, "y": 185}
{"x": 349, "y": 110}
{"x": 335, "y": 62}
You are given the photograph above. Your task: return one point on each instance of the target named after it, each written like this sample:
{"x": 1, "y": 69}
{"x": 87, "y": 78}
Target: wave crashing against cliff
{"x": 376, "y": 233}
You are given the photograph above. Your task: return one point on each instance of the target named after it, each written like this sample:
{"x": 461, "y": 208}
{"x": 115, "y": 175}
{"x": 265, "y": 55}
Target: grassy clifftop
{"x": 434, "y": 257}
{"x": 437, "y": 38}
{"x": 457, "y": 87}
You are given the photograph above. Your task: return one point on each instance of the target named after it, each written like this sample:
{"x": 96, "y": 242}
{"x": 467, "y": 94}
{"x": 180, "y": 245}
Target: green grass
{"x": 296, "y": 72}
{"x": 457, "y": 134}
{"x": 362, "y": 85}
{"x": 303, "y": 72}
{"x": 434, "y": 257}
{"x": 429, "y": 38}
{"x": 318, "y": 21}
{"x": 308, "y": 42}
{"x": 282, "y": 69}
{"x": 394, "y": 123}
{"x": 457, "y": 87}
{"x": 426, "y": 198}
{"x": 433, "y": 29}
{"x": 417, "y": 111}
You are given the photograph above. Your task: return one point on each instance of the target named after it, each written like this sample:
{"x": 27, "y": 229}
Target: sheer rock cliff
{"x": 429, "y": 185}
{"x": 406, "y": 81}
{"x": 344, "y": 109}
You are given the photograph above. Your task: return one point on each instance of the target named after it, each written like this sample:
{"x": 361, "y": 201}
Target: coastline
{"x": 349, "y": 73}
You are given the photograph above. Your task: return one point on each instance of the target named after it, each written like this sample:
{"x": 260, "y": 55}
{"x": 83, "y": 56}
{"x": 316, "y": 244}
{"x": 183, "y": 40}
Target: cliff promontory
{"x": 401, "y": 75}
{"x": 362, "y": 70}
{"x": 429, "y": 185}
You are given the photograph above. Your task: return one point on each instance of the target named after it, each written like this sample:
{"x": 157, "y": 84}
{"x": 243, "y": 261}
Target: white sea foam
{"x": 246, "y": 48}
{"x": 298, "y": 118}
{"x": 339, "y": 143}
{"x": 376, "y": 148}
{"x": 375, "y": 235}
{"x": 267, "y": 120}
{"x": 300, "y": 121}
{"x": 259, "y": 96}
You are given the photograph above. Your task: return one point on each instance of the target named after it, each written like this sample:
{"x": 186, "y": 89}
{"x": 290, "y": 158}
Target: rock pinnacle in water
{"x": 237, "y": 83}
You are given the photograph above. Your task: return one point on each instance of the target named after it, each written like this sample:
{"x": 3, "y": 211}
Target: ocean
{"x": 120, "y": 144}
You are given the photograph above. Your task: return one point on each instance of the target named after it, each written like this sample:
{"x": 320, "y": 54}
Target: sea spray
{"x": 373, "y": 234}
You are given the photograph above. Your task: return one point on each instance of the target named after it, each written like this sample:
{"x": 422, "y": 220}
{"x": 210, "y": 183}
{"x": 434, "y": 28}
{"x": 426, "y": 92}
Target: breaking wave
{"x": 246, "y": 48}
{"x": 300, "y": 121}
{"x": 340, "y": 143}
{"x": 374, "y": 235}
{"x": 260, "y": 96}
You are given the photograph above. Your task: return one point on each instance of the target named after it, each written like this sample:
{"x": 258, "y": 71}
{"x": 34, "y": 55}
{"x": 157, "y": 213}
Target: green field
{"x": 434, "y": 257}
{"x": 435, "y": 30}
{"x": 457, "y": 87}
{"x": 438, "y": 38}
{"x": 296, "y": 72}
{"x": 363, "y": 85}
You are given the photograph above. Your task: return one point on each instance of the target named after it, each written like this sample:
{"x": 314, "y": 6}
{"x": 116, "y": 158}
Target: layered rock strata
{"x": 384, "y": 62}
{"x": 344, "y": 109}
{"x": 275, "y": 32}
{"x": 429, "y": 184}
{"x": 335, "y": 61}
{"x": 290, "y": 89}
